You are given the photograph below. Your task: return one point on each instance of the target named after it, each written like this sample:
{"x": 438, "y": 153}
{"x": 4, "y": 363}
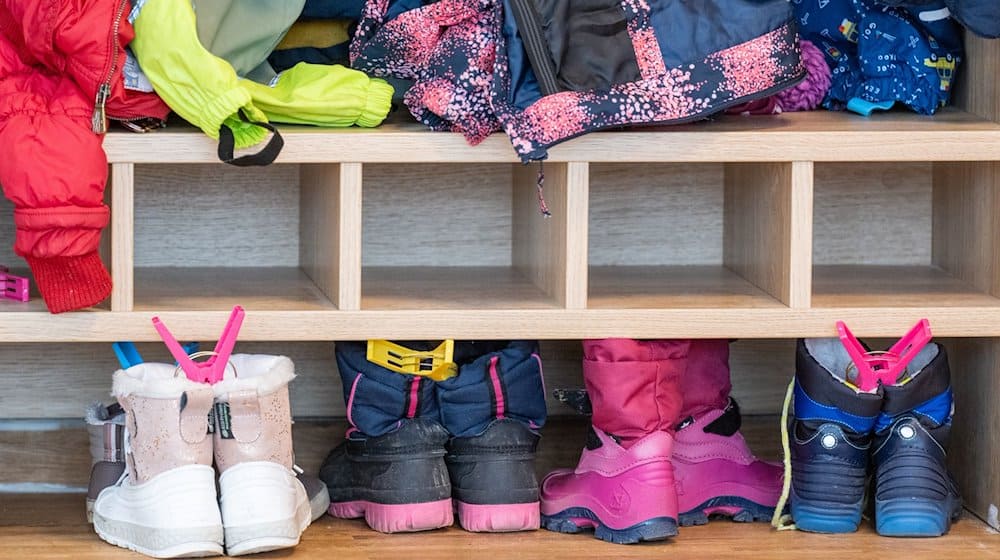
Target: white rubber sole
{"x": 173, "y": 515}
{"x": 264, "y": 507}
{"x": 193, "y": 542}
{"x": 319, "y": 504}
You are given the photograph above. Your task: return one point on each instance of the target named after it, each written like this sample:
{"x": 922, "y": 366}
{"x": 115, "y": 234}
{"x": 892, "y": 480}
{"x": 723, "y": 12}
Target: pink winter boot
{"x": 623, "y": 486}
{"x": 715, "y": 471}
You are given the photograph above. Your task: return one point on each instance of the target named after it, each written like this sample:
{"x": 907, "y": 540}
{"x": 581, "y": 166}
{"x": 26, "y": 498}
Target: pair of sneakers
{"x": 892, "y": 438}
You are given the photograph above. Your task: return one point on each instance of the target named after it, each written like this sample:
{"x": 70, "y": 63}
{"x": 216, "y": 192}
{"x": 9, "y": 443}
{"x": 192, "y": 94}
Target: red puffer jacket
{"x": 60, "y": 73}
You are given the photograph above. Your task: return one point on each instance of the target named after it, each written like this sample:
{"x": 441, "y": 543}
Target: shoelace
{"x": 783, "y": 522}
{"x": 779, "y": 521}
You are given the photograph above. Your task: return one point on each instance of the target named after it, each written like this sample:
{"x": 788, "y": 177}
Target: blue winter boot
{"x": 832, "y": 437}
{"x": 915, "y": 496}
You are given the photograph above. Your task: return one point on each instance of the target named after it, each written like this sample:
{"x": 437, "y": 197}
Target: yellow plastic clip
{"x": 436, "y": 364}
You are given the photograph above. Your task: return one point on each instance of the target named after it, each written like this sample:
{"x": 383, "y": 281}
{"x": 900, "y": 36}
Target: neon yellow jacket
{"x": 205, "y": 90}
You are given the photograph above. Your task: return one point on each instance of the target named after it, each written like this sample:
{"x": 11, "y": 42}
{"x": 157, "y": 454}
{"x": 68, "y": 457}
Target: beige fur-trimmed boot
{"x": 164, "y": 505}
{"x": 264, "y": 506}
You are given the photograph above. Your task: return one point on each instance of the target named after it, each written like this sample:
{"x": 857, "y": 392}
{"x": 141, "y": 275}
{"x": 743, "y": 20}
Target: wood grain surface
{"x": 71, "y": 376}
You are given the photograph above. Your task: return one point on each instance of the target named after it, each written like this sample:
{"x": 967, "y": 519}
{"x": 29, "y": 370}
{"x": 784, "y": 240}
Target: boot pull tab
{"x": 195, "y": 407}
{"x": 214, "y": 368}
{"x": 245, "y": 419}
{"x": 883, "y": 367}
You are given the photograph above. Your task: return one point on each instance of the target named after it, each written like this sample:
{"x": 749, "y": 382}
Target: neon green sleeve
{"x": 197, "y": 85}
{"x": 323, "y": 95}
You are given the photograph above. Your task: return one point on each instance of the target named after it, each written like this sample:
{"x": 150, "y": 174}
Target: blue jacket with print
{"x": 545, "y": 71}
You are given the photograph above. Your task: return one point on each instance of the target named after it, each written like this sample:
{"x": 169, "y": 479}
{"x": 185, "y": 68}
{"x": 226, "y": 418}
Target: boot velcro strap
{"x": 245, "y": 419}
{"x": 195, "y": 406}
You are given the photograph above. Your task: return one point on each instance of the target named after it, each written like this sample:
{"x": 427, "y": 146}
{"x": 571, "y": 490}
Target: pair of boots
{"x": 106, "y": 433}
{"x": 896, "y": 434}
{"x": 664, "y": 448}
{"x": 419, "y": 451}
{"x": 165, "y": 504}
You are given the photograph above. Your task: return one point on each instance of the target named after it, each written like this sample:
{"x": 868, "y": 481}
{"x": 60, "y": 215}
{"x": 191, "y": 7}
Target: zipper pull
{"x": 99, "y": 122}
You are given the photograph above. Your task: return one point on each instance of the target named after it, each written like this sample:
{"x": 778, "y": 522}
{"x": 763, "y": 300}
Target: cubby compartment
{"x": 463, "y": 236}
{"x": 906, "y": 235}
{"x": 698, "y": 235}
{"x": 208, "y": 237}
{"x": 14, "y": 263}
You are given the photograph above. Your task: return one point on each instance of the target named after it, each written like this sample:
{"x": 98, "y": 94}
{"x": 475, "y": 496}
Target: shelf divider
{"x": 974, "y": 456}
{"x": 122, "y": 235}
{"x": 966, "y": 223}
{"x": 979, "y": 89}
{"x": 552, "y": 251}
{"x": 767, "y": 230}
{"x": 330, "y": 230}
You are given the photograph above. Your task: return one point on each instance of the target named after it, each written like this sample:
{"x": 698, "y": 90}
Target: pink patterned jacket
{"x": 544, "y": 71}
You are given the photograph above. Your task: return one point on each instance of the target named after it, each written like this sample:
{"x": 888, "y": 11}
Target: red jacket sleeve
{"x": 53, "y": 168}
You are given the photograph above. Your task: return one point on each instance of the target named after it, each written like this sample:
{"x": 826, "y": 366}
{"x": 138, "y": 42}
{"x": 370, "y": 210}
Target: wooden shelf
{"x": 479, "y": 323}
{"x": 651, "y": 287}
{"x": 35, "y": 305}
{"x": 809, "y": 136}
{"x": 219, "y": 289}
{"x": 419, "y": 287}
{"x": 893, "y": 286}
{"x": 52, "y": 526}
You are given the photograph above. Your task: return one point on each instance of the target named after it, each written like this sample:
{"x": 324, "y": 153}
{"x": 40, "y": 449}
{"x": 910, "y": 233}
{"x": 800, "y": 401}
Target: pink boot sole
{"x": 496, "y": 518}
{"x": 397, "y": 518}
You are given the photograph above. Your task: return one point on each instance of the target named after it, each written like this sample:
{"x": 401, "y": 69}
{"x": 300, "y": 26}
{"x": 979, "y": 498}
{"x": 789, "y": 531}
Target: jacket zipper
{"x": 530, "y": 28}
{"x": 99, "y": 120}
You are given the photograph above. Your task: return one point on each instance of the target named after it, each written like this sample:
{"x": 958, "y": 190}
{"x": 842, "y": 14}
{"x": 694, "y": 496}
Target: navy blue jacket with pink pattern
{"x": 545, "y": 71}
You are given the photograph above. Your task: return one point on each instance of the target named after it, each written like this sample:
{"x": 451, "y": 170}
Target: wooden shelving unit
{"x": 766, "y": 276}
{"x": 752, "y": 228}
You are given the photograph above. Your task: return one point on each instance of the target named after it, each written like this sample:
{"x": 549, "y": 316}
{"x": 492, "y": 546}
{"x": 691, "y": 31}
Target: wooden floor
{"x": 52, "y": 526}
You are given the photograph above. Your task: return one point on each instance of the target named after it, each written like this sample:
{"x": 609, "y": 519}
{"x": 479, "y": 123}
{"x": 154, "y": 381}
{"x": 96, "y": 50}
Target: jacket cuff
{"x": 377, "y": 104}
{"x": 70, "y": 283}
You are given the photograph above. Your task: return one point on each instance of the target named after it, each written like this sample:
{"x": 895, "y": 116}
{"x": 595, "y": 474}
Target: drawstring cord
{"x": 542, "y": 206}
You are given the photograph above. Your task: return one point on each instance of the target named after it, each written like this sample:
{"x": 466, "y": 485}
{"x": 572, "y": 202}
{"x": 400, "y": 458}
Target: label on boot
{"x": 223, "y": 420}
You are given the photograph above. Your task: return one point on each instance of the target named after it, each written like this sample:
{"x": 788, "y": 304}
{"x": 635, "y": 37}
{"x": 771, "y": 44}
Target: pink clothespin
{"x": 14, "y": 287}
{"x": 214, "y": 368}
{"x": 884, "y": 367}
